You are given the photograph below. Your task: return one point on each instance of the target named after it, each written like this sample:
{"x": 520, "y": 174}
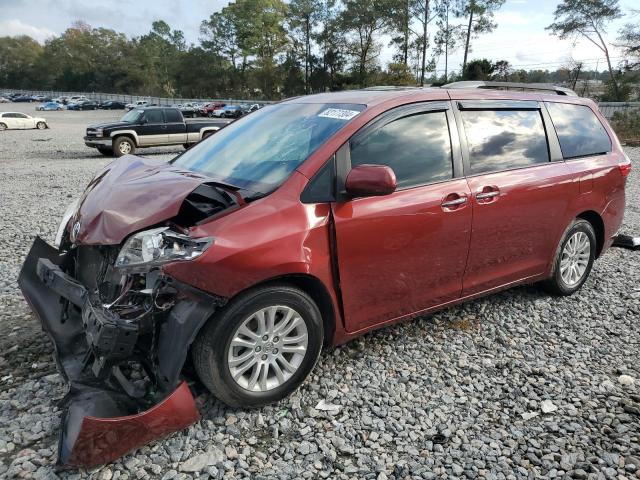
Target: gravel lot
{"x": 516, "y": 385}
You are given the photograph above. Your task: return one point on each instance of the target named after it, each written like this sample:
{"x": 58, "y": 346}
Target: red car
{"x": 208, "y": 108}
{"x": 308, "y": 223}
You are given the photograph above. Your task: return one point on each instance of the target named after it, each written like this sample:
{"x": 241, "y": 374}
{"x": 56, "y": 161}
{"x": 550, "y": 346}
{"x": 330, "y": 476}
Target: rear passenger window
{"x": 504, "y": 139}
{"x": 579, "y": 131}
{"x": 173, "y": 116}
{"x": 417, "y": 148}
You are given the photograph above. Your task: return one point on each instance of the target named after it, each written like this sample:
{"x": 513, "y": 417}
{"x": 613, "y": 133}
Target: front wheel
{"x": 574, "y": 259}
{"x": 41, "y": 125}
{"x": 123, "y": 146}
{"x": 260, "y": 347}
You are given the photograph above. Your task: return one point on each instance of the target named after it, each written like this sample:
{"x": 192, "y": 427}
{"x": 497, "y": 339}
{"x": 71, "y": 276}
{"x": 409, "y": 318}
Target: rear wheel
{"x": 3, "y": 126}
{"x": 574, "y": 259}
{"x": 41, "y": 125}
{"x": 260, "y": 347}
{"x": 123, "y": 146}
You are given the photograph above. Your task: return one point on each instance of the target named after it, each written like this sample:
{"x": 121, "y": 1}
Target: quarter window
{"x": 504, "y": 139}
{"x": 417, "y": 148}
{"x": 579, "y": 131}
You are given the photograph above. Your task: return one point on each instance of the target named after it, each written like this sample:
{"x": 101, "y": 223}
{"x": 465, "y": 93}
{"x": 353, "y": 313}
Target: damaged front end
{"x": 121, "y": 338}
{"x": 121, "y": 326}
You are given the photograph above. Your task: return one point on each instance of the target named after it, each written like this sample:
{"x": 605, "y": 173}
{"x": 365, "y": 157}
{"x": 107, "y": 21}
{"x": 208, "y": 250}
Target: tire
{"x": 187, "y": 146}
{"x": 106, "y": 151}
{"x": 41, "y": 125}
{"x": 2, "y": 126}
{"x": 567, "y": 278}
{"x": 212, "y": 347}
{"x": 123, "y": 146}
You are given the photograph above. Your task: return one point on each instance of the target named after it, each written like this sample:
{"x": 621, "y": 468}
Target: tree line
{"x": 270, "y": 49}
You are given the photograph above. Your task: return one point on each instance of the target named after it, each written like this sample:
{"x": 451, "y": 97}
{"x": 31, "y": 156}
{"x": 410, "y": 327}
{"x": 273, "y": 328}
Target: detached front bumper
{"x": 109, "y": 410}
{"x": 95, "y": 142}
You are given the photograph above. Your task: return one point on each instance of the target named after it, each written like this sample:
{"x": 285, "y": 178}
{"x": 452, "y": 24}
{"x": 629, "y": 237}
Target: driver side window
{"x": 416, "y": 147}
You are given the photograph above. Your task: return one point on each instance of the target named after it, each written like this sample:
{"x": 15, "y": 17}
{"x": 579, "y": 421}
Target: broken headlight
{"x": 158, "y": 246}
{"x": 69, "y": 212}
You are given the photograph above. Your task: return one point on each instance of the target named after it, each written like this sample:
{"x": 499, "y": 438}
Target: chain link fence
{"x": 103, "y": 97}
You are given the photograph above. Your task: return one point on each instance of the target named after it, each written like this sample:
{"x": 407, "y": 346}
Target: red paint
{"x": 131, "y": 193}
{"x": 102, "y": 440}
{"x": 365, "y": 180}
{"x": 397, "y": 255}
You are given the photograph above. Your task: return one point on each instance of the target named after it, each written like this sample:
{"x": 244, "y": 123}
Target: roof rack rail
{"x": 513, "y": 85}
{"x": 384, "y": 88}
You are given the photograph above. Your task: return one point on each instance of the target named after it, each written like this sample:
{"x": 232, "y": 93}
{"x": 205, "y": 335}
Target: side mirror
{"x": 143, "y": 121}
{"x": 370, "y": 180}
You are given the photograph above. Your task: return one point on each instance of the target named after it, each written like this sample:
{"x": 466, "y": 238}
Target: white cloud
{"x": 16, "y": 27}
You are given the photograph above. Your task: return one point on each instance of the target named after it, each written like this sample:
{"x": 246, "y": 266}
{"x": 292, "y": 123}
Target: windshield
{"x": 259, "y": 151}
{"x": 132, "y": 117}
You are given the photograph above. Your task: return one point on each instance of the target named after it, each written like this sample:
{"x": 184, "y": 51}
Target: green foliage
{"x": 478, "y": 70}
{"x": 626, "y": 124}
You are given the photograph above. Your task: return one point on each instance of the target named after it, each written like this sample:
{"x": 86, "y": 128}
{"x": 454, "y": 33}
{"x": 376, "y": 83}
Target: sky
{"x": 520, "y": 37}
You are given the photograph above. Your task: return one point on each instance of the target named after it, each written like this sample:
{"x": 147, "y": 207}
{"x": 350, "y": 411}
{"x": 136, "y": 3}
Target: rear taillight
{"x": 625, "y": 168}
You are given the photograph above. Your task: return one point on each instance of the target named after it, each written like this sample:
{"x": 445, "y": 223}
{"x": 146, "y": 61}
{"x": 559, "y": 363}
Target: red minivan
{"x": 306, "y": 224}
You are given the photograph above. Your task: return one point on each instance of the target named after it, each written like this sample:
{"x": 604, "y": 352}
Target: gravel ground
{"x": 516, "y": 385}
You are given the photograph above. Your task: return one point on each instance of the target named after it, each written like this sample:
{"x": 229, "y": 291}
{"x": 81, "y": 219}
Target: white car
{"x": 138, "y": 104}
{"x": 4, "y": 100}
{"x": 21, "y": 121}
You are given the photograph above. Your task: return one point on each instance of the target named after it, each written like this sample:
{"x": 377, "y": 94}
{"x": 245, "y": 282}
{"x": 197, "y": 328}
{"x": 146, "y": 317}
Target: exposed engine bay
{"x": 122, "y": 328}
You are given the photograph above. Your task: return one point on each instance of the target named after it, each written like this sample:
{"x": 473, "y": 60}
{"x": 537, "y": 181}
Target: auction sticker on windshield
{"x": 338, "y": 113}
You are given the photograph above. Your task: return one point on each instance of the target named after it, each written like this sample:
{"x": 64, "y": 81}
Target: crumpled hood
{"x": 130, "y": 194}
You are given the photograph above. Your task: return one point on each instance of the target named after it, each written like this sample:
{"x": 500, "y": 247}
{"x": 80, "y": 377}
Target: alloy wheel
{"x": 267, "y": 348}
{"x": 575, "y": 258}
{"x": 125, "y": 147}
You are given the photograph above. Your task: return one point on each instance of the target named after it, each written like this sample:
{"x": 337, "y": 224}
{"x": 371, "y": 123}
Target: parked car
{"x": 49, "y": 106}
{"x": 21, "y": 121}
{"x": 112, "y": 105}
{"x": 63, "y": 100}
{"x": 232, "y": 111}
{"x": 83, "y": 105}
{"x": 77, "y": 99}
{"x": 190, "y": 109}
{"x": 149, "y": 127}
{"x": 42, "y": 98}
{"x": 4, "y": 100}
{"x": 138, "y": 104}
{"x": 309, "y": 223}
{"x": 23, "y": 98}
{"x": 208, "y": 108}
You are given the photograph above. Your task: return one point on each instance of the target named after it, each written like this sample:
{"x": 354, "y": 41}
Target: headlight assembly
{"x": 157, "y": 246}
{"x": 69, "y": 212}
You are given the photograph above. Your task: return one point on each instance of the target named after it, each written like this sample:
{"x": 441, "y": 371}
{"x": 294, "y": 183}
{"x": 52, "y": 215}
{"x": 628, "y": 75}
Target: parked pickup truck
{"x": 149, "y": 127}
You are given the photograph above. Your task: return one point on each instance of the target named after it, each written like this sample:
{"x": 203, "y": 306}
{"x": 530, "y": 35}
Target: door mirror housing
{"x": 370, "y": 180}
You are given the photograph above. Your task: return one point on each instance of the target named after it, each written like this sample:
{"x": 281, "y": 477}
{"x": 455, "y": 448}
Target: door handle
{"x": 455, "y": 202}
{"x": 487, "y": 195}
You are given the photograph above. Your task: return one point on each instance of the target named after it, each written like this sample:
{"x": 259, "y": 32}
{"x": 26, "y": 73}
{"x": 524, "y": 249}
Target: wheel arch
{"x": 125, "y": 133}
{"x": 318, "y": 292}
{"x": 597, "y": 223}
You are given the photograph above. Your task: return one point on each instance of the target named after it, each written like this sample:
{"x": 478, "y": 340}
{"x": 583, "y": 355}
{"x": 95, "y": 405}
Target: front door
{"x": 405, "y": 252}
{"x": 153, "y": 130}
{"x": 520, "y": 192}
